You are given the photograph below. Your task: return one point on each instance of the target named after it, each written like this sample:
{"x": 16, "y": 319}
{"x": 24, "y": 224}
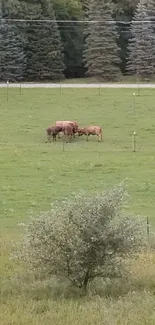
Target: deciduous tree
{"x": 83, "y": 239}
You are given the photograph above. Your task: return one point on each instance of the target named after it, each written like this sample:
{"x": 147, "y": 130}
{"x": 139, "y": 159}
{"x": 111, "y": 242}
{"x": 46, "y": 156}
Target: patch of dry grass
{"x": 28, "y": 300}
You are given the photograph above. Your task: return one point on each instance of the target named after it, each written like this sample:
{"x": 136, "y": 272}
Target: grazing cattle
{"x": 88, "y": 130}
{"x": 72, "y": 123}
{"x": 52, "y": 131}
{"x": 68, "y": 131}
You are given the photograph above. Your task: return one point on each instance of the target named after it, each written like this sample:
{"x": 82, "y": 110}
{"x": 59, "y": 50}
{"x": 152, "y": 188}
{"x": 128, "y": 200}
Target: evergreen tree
{"x": 71, "y": 35}
{"x": 101, "y": 54}
{"x": 31, "y": 10}
{"x": 141, "y": 59}
{"x": 12, "y": 58}
{"x": 43, "y": 43}
{"x": 1, "y": 54}
{"x": 50, "y": 59}
{"x": 150, "y": 6}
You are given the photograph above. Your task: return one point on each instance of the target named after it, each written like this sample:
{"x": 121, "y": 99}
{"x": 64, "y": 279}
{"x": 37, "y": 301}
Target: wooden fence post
{"x": 20, "y": 88}
{"x": 7, "y": 91}
{"x": 134, "y": 103}
{"x": 148, "y": 229}
{"x": 99, "y": 89}
{"x": 134, "y": 141}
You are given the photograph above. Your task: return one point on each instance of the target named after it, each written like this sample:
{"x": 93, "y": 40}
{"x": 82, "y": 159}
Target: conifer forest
{"x": 43, "y": 40}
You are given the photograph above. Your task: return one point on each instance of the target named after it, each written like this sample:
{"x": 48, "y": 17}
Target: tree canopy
{"x": 141, "y": 44}
{"x": 83, "y": 238}
{"x": 53, "y": 39}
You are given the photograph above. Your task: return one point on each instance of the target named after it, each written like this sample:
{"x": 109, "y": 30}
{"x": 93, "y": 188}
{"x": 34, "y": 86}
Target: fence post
{"x": 134, "y": 141}
{"x": 20, "y": 88}
{"x": 138, "y": 86}
{"x": 148, "y": 229}
{"x": 99, "y": 89}
{"x": 60, "y": 88}
{"x": 7, "y": 91}
{"x": 134, "y": 103}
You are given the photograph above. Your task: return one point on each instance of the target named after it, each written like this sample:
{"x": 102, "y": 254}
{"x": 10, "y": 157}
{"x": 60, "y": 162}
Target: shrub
{"x": 84, "y": 238}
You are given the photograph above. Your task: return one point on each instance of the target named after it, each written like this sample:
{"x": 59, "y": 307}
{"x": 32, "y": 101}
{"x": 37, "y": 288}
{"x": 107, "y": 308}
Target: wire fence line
{"x": 78, "y": 85}
{"x": 77, "y": 21}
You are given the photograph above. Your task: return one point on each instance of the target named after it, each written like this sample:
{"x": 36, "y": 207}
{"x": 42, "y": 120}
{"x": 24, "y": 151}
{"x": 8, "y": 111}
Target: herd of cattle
{"x": 69, "y": 129}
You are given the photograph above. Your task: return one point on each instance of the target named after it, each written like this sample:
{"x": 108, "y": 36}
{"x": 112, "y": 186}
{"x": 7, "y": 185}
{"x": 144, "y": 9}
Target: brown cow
{"x": 88, "y": 130}
{"x": 52, "y": 131}
{"x": 72, "y": 123}
{"x": 68, "y": 131}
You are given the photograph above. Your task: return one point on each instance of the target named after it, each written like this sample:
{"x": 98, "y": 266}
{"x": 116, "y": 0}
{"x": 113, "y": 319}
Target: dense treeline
{"x": 36, "y": 43}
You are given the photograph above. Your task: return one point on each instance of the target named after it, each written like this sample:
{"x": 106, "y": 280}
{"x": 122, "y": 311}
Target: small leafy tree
{"x": 83, "y": 239}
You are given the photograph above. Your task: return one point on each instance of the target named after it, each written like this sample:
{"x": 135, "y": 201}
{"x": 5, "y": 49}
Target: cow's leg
{"x": 100, "y": 137}
{"x": 87, "y": 136}
{"x": 49, "y": 138}
{"x": 67, "y": 137}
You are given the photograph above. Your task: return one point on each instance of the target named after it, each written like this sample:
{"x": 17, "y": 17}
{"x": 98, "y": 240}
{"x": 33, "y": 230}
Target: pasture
{"x": 33, "y": 174}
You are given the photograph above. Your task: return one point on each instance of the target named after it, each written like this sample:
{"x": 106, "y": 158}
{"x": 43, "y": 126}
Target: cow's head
{"x": 49, "y": 130}
{"x": 80, "y": 131}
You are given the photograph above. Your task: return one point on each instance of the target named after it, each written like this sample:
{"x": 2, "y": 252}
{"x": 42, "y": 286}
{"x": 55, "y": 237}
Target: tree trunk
{"x": 86, "y": 280}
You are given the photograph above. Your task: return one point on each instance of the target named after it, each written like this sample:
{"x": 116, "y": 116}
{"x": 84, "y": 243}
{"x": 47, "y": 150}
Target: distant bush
{"x": 84, "y": 238}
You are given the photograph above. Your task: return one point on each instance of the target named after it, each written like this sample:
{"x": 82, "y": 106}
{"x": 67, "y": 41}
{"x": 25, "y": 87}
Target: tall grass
{"x": 26, "y": 299}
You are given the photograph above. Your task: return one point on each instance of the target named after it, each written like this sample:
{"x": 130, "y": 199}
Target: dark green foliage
{"x": 71, "y": 35}
{"x": 50, "y": 48}
{"x": 101, "y": 54}
{"x": 12, "y": 58}
{"x": 54, "y": 49}
{"x": 150, "y": 6}
{"x": 44, "y": 47}
{"x": 42, "y": 42}
{"x": 48, "y": 61}
{"x": 141, "y": 60}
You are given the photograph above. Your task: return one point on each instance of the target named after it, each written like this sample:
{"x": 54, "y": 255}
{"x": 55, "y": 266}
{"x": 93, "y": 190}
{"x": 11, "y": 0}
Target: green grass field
{"x": 33, "y": 174}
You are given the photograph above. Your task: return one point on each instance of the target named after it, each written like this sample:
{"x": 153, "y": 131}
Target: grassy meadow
{"x": 33, "y": 174}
